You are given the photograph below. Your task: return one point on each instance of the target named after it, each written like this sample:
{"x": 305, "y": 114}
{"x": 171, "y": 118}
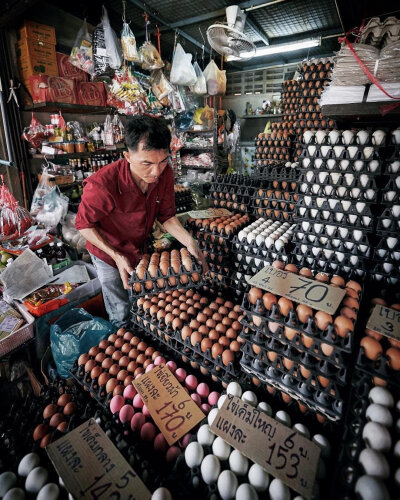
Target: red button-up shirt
{"x": 114, "y": 205}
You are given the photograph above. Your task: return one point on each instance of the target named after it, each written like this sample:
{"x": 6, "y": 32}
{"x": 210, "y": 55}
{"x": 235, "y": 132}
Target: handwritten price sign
{"x": 279, "y": 450}
{"x": 298, "y": 288}
{"x": 385, "y": 321}
{"x": 170, "y": 406}
{"x": 209, "y": 213}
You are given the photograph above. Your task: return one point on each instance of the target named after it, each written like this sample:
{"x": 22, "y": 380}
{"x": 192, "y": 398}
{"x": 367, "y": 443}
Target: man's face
{"x": 147, "y": 164}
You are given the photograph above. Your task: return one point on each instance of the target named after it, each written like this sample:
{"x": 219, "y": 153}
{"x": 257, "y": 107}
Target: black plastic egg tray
{"x": 273, "y": 204}
{"x": 314, "y": 151}
{"x": 234, "y": 180}
{"x": 337, "y": 250}
{"x": 316, "y": 397}
{"x": 274, "y": 214}
{"x": 369, "y": 167}
{"x": 385, "y": 253}
{"x": 387, "y": 270}
{"x": 337, "y": 179}
{"x": 380, "y": 367}
{"x": 388, "y": 223}
{"x": 341, "y": 190}
{"x": 246, "y": 262}
{"x": 251, "y": 252}
{"x": 231, "y": 205}
{"x": 192, "y": 227}
{"x": 391, "y": 191}
{"x": 307, "y": 230}
{"x": 328, "y": 267}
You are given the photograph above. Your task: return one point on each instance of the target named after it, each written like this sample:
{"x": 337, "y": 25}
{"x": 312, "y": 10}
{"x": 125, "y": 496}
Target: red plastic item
{"x": 51, "y": 305}
{"x": 92, "y": 93}
{"x": 46, "y": 88}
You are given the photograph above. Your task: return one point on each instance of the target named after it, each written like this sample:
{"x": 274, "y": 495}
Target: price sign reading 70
{"x": 299, "y": 288}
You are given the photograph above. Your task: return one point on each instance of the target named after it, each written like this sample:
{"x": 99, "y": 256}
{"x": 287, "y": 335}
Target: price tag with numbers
{"x": 209, "y": 213}
{"x": 91, "y": 467}
{"x": 386, "y": 321}
{"x": 170, "y": 406}
{"x": 299, "y": 288}
{"x": 278, "y": 449}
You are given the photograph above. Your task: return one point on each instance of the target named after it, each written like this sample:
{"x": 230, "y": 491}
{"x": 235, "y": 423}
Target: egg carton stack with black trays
{"x": 183, "y": 198}
{"x": 232, "y": 191}
{"x": 315, "y": 76}
{"x": 273, "y": 147}
{"x": 213, "y": 469}
{"x": 368, "y": 464}
{"x": 337, "y": 190}
{"x": 301, "y": 351}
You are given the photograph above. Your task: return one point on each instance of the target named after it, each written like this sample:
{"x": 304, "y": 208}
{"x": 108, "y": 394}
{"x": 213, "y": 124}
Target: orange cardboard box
{"x": 68, "y": 70}
{"x": 36, "y": 31}
{"x": 45, "y": 88}
{"x": 36, "y": 58}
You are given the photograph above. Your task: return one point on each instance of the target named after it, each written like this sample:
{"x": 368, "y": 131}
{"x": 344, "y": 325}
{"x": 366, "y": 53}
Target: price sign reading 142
{"x": 299, "y": 288}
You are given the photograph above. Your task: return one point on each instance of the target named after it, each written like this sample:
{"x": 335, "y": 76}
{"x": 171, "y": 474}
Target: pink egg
{"x": 205, "y": 408}
{"x": 137, "y": 421}
{"x": 137, "y": 402}
{"x": 116, "y": 403}
{"x": 148, "y": 431}
{"x": 196, "y": 398}
{"x": 126, "y": 413}
{"x": 213, "y": 398}
{"x": 203, "y": 390}
{"x": 149, "y": 367}
{"x": 172, "y": 366}
{"x": 138, "y": 375}
{"x": 172, "y": 454}
{"x": 159, "y": 360}
{"x": 160, "y": 443}
{"x": 185, "y": 440}
{"x": 191, "y": 382}
{"x": 180, "y": 374}
{"x": 129, "y": 392}
{"x": 145, "y": 411}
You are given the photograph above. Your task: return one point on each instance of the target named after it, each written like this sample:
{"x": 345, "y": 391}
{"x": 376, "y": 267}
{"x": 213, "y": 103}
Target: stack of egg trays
{"x": 183, "y": 201}
{"x": 174, "y": 340}
{"x": 222, "y": 236}
{"x": 181, "y": 283}
{"x": 259, "y": 255}
{"x": 391, "y": 190}
{"x": 234, "y": 180}
{"x": 229, "y": 195}
{"x": 280, "y": 208}
{"x": 281, "y": 172}
{"x": 348, "y": 469}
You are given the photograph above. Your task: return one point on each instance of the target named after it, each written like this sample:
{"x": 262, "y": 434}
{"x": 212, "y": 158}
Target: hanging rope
{"x": 124, "y": 11}
{"x": 157, "y": 34}
{"x": 147, "y": 22}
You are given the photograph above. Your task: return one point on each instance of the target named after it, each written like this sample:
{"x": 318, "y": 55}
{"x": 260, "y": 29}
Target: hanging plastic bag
{"x": 113, "y": 45}
{"x": 100, "y": 56}
{"x": 49, "y": 205}
{"x": 14, "y": 220}
{"x": 216, "y": 79}
{"x": 182, "y": 71}
{"x": 161, "y": 87}
{"x": 128, "y": 43}
{"x": 150, "y": 57}
{"x": 81, "y": 54}
{"x": 200, "y": 87}
{"x": 73, "y": 334}
{"x": 35, "y": 133}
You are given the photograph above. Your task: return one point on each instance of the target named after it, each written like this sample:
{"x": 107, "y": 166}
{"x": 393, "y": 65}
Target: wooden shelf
{"x": 361, "y": 112}
{"x": 54, "y": 107}
{"x": 246, "y": 117}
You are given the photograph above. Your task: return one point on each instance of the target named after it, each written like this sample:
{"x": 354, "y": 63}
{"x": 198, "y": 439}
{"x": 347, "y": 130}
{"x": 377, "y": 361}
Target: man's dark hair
{"x": 154, "y": 131}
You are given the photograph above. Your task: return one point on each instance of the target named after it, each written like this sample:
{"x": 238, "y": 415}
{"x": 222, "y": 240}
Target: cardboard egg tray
{"x": 339, "y": 166}
{"x": 334, "y": 366}
{"x": 316, "y": 397}
{"x": 348, "y": 469}
{"x": 388, "y": 223}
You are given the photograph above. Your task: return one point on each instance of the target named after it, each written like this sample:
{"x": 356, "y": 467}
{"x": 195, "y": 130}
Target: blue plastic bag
{"x": 73, "y": 334}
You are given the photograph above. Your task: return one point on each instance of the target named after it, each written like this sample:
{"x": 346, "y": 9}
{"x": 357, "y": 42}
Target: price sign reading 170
{"x": 299, "y": 288}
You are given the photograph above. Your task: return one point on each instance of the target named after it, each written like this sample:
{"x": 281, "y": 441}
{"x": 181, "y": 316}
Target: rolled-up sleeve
{"x": 96, "y": 203}
{"x": 167, "y": 199}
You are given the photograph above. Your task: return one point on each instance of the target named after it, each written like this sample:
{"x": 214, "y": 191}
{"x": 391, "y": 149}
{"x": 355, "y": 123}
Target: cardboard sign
{"x": 92, "y": 467}
{"x": 385, "y": 321}
{"x": 299, "y": 288}
{"x": 170, "y": 406}
{"x": 209, "y": 213}
{"x": 278, "y": 449}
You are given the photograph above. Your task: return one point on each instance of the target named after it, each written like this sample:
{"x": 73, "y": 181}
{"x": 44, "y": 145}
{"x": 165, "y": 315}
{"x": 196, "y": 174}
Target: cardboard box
{"x": 92, "y": 93}
{"x": 36, "y": 58}
{"x": 36, "y": 31}
{"x": 68, "y": 70}
{"x": 45, "y": 88}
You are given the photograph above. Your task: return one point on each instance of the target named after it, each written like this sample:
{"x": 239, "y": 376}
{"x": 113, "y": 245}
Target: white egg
{"x": 283, "y": 417}
{"x": 380, "y": 414}
{"x": 265, "y": 408}
{"x": 29, "y": 462}
{"x": 7, "y": 481}
{"x": 323, "y": 443}
{"x": 278, "y": 490}
{"x": 234, "y": 389}
{"x": 260, "y": 239}
{"x": 221, "y": 449}
{"x": 374, "y": 463}
{"x": 221, "y": 401}
{"x": 49, "y": 491}
{"x": 14, "y": 494}
{"x": 302, "y": 429}
{"x": 396, "y": 449}
{"x": 36, "y": 479}
{"x": 194, "y": 454}
{"x": 371, "y": 488}
{"x": 381, "y": 396}
{"x": 397, "y": 477}
{"x": 258, "y": 477}
{"x": 246, "y": 492}
{"x": 210, "y": 469}
{"x": 238, "y": 463}
{"x": 204, "y": 436}
{"x": 211, "y": 416}
{"x": 161, "y": 494}
{"x": 377, "y": 437}
{"x": 227, "y": 485}
{"x": 250, "y": 398}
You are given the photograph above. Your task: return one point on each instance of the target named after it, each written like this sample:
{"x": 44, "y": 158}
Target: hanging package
{"x": 161, "y": 87}
{"x": 216, "y": 79}
{"x": 113, "y": 45}
{"x": 14, "y": 220}
{"x": 182, "y": 71}
{"x": 200, "y": 87}
{"x": 150, "y": 57}
{"x": 107, "y": 52}
{"x": 81, "y": 53}
{"x": 49, "y": 205}
{"x": 35, "y": 133}
{"x": 128, "y": 43}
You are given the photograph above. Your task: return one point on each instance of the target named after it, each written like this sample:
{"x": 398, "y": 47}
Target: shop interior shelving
{"x": 362, "y": 112}
{"x": 54, "y": 107}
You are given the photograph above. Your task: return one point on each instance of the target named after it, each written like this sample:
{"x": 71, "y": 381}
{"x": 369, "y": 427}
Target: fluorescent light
{"x": 278, "y": 49}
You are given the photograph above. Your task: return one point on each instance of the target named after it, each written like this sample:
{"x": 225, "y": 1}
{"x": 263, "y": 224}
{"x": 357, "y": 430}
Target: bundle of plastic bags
{"x": 182, "y": 71}
{"x": 200, "y": 87}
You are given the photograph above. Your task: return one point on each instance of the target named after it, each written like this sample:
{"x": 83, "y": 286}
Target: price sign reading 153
{"x": 299, "y": 288}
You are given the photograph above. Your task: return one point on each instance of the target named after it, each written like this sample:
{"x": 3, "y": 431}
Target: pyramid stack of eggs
{"x": 232, "y": 191}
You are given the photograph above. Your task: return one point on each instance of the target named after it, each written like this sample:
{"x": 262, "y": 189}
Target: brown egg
{"x": 83, "y": 359}
{"x": 291, "y": 268}
{"x": 113, "y": 370}
{"x": 288, "y": 363}
{"x": 100, "y": 357}
{"x": 354, "y": 285}
{"x": 111, "y": 385}
{"x": 138, "y": 371}
{"x": 119, "y": 389}
{"x": 322, "y": 320}
{"x": 307, "y": 341}
{"x": 64, "y": 399}
{"x": 278, "y": 264}
{"x": 322, "y": 277}
{"x": 126, "y": 348}
{"x": 117, "y": 356}
{"x": 70, "y": 408}
{"x": 304, "y": 372}
{"x": 224, "y": 341}
{"x": 343, "y": 326}
{"x": 62, "y": 427}
{"x": 119, "y": 343}
{"x": 141, "y": 358}
{"x": 206, "y": 343}
{"x": 327, "y": 349}
{"x": 90, "y": 365}
{"x": 396, "y": 307}
{"x": 228, "y": 357}
{"x": 216, "y": 350}
{"x": 289, "y": 333}
{"x": 269, "y": 299}
{"x": 254, "y": 295}
{"x": 348, "y": 313}
{"x": 122, "y": 374}
{"x": 56, "y": 419}
{"x": 303, "y": 313}
{"x": 213, "y": 335}
{"x": 394, "y": 358}
{"x": 379, "y": 381}
{"x": 134, "y": 341}
{"x": 237, "y": 326}
{"x": 233, "y": 315}
{"x": 155, "y": 355}
{"x": 93, "y": 351}
{"x": 46, "y": 440}
{"x": 271, "y": 355}
{"x": 217, "y": 317}
{"x": 49, "y": 411}
{"x": 372, "y": 348}
{"x": 40, "y": 431}
{"x": 305, "y": 271}
{"x": 285, "y": 306}
{"x": 110, "y": 350}
{"x": 221, "y": 329}
{"x": 112, "y": 338}
{"x": 96, "y": 372}
{"x": 195, "y": 338}
{"x": 352, "y": 303}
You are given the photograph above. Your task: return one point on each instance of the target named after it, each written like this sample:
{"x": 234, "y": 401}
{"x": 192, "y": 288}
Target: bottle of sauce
{"x": 60, "y": 252}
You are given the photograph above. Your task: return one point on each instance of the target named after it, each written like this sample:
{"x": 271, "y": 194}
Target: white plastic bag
{"x": 113, "y": 46}
{"x": 128, "y": 43}
{"x": 81, "y": 53}
{"x": 182, "y": 71}
{"x": 200, "y": 87}
{"x": 160, "y": 85}
{"x": 216, "y": 79}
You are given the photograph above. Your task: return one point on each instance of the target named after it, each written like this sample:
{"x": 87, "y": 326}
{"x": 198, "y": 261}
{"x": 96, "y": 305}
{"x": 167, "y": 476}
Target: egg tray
{"x": 332, "y": 252}
{"x": 205, "y": 243}
{"x": 254, "y": 251}
{"x": 391, "y": 193}
{"x": 239, "y": 190}
{"x": 274, "y": 214}
{"x": 332, "y": 366}
{"x": 211, "y": 239}
{"x": 382, "y": 252}
{"x": 221, "y": 234}
{"x": 231, "y": 205}
{"x": 394, "y": 273}
{"x": 327, "y": 336}
{"x": 391, "y": 226}
{"x": 347, "y": 467}
{"x": 272, "y": 204}
{"x": 283, "y": 196}
{"x": 317, "y": 398}
{"x": 329, "y": 267}
{"x": 344, "y": 155}
{"x": 350, "y": 168}
{"x": 355, "y": 183}
{"x": 234, "y": 180}
{"x": 257, "y": 263}
{"x": 332, "y": 192}
{"x": 349, "y": 238}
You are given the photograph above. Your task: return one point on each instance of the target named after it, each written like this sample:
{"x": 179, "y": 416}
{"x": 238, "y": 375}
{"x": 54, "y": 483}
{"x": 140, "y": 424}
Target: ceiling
{"x": 268, "y": 21}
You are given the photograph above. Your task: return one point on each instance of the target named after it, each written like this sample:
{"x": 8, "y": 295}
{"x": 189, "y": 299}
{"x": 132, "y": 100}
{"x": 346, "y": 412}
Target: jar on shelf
{"x": 80, "y": 147}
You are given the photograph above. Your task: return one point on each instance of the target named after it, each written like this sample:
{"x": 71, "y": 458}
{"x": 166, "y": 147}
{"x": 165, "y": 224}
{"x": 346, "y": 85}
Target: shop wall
{"x": 238, "y": 102}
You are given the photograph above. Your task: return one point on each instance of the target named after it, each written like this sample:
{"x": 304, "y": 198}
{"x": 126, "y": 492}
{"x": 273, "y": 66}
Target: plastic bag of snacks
{"x": 161, "y": 87}
{"x": 150, "y": 57}
{"x": 126, "y": 93}
{"x": 216, "y": 79}
{"x": 118, "y": 130}
{"x": 182, "y": 71}
{"x": 35, "y": 133}
{"x": 81, "y": 54}
{"x": 128, "y": 43}
{"x": 200, "y": 87}
{"x": 14, "y": 220}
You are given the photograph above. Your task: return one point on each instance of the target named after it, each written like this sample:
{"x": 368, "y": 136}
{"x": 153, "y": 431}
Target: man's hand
{"x": 125, "y": 269}
{"x": 194, "y": 250}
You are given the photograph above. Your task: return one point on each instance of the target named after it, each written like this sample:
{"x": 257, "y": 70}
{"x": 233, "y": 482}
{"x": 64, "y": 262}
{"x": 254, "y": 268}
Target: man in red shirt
{"x": 119, "y": 205}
